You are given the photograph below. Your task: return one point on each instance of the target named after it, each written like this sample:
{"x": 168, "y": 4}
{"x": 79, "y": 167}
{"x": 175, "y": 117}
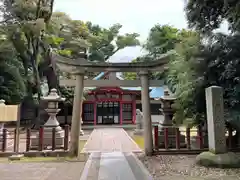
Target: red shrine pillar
{"x": 134, "y": 111}
{"x": 120, "y": 103}
{"x": 95, "y": 112}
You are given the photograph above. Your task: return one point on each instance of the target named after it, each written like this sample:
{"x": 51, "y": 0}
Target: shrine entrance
{"x": 79, "y": 67}
{"x": 108, "y": 113}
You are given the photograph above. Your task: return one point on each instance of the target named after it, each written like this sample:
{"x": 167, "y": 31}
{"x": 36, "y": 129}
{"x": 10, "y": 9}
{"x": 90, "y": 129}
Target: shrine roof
{"x": 155, "y": 92}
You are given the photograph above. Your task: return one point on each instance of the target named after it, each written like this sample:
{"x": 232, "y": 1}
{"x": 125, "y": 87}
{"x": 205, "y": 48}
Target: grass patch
{"x": 139, "y": 140}
{"x": 82, "y": 144}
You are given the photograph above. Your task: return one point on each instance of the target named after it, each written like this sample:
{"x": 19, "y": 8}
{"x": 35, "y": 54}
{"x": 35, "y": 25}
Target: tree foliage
{"x": 220, "y": 53}
{"x": 35, "y": 33}
{"x": 12, "y": 83}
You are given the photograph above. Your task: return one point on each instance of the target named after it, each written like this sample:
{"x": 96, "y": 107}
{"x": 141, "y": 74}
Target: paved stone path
{"x": 109, "y": 140}
{"x": 114, "y": 166}
{"x": 112, "y": 157}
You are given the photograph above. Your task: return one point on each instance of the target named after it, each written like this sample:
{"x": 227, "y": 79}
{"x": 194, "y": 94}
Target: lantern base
{"x": 47, "y": 139}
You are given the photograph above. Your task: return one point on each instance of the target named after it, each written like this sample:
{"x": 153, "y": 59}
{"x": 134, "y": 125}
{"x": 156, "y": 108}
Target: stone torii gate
{"x": 79, "y": 67}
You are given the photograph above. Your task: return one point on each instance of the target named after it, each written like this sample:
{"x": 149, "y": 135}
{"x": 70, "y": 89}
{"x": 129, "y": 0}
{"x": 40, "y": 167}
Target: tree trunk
{"x": 52, "y": 78}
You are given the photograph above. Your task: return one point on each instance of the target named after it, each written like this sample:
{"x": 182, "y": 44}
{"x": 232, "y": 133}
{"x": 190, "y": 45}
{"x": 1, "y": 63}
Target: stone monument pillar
{"x": 139, "y": 123}
{"x": 215, "y": 120}
{"x": 168, "y": 111}
{"x": 53, "y": 99}
{"x": 217, "y": 156}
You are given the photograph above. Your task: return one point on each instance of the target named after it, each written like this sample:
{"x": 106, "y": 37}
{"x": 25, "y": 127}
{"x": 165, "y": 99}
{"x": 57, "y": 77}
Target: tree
{"x": 208, "y": 15}
{"x": 221, "y": 52}
{"x": 161, "y": 39}
{"x": 26, "y": 21}
{"x": 12, "y": 82}
{"x": 184, "y": 78}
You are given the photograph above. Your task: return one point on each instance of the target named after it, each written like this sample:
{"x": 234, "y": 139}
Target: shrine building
{"x": 116, "y": 104}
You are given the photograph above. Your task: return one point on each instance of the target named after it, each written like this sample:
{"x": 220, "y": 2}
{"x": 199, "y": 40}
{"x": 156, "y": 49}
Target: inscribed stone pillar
{"x": 147, "y": 121}
{"x": 76, "y": 115}
{"x": 215, "y": 120}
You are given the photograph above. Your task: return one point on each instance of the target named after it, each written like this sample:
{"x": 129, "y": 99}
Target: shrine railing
{"x": 189, "y": 141}
{"x": 8, "y": 141}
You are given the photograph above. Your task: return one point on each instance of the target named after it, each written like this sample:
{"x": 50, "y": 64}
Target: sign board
{"x": 9, "y": 113}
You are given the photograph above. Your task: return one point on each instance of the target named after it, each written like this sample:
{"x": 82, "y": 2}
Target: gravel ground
{"x": 41, "y": 171}
{"x": 182, "y": 167}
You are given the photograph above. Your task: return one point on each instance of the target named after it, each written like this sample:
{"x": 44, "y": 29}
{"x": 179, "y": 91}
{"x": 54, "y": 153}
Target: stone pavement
{"x": 112, "y": 157}
{"x": 114, "y": 166}
{"x": 109, "y": 140}
{"x": 41, "y": 171}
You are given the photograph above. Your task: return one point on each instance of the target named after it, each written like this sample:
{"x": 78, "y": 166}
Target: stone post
{"x": 76, "y": 115}
{"x": 217, "y": 156}
{"x": 215, "y": 120}
{"x": 147, "y": 121}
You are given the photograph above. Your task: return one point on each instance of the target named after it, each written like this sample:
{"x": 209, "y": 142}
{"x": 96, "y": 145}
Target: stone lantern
{"x": 52, "y": 109}
{"x": 167, "y": 111}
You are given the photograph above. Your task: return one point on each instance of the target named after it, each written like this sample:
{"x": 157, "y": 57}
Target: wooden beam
{"x": 110, "y": 83}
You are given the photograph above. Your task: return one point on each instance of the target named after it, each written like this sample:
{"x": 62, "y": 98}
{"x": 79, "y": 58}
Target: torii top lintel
{"x": 82, "y": 65}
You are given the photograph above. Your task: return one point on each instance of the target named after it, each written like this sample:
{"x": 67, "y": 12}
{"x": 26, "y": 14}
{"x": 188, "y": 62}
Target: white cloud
{"x": 135, "y": 15}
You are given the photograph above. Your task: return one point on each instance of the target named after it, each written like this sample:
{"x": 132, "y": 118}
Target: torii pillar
{"x": 76, "y": 114}
{"x": 147, "y": 121}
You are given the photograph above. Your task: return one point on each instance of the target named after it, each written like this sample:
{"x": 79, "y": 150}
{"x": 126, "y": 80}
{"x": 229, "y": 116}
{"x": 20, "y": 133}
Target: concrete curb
{"x": 138, "y": 169}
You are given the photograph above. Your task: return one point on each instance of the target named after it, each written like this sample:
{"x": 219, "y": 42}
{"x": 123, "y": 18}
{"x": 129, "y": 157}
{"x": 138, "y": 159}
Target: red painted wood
{"x": 66, "y": 137}
{"x": 127, "y": 102}
{"x": 156, "y": 137}
{"x": 200, "y": 137}
{"x": 134, "y": 111}
{"x": 166, "y": 138}
{"x": 188, "y": 138}
{"x": 40, "y": 145}
{"x": 95, "y": 113}
{"x": 53, "y": 139}
{"x": 121, "y": 113}
{"x": 177, "y": 138}
{"x": 15, "y": 141}
{"x": 4, "y": 140}
{"x": 120, "y": 100}
{"x": 120, "y": 104}
{"x": 28, "y": 136}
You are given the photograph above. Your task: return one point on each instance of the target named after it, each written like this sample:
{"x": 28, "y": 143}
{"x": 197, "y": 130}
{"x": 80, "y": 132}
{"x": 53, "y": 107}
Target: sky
{"x": 135, "y": 15}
